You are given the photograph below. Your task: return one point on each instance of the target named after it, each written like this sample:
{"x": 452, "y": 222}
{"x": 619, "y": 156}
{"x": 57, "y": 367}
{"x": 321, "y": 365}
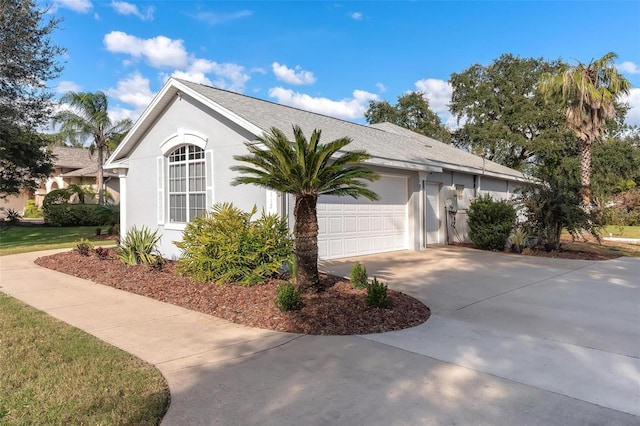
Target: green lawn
{"x": 54, "y": 374}
{"x": 621, "y": 231}
{"x": 26, "y": 237}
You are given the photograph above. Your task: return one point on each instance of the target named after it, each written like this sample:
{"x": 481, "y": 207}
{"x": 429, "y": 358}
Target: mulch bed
{"x": 336, "y": 310}
{"x": 562, "y": 253}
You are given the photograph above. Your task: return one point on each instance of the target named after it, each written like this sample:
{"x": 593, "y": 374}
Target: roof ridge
{"x": 275, "y": 103}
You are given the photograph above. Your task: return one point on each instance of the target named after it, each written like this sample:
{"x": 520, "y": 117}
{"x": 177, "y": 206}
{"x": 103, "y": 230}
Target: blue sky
{"x": 329, "y": 57}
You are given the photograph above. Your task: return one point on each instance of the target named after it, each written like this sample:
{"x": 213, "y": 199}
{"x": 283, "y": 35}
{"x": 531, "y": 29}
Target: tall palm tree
{"x": 306, "y": 169}
{"x": 89, "y": 118}
{"x": 590, "y": 94}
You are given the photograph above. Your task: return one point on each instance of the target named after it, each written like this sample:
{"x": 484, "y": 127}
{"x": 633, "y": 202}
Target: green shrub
{"x": 518, "y": 239}
{"x": 84, "y": 247}
{"x": 13, "y": 216}
{"x": 225, "y": 245}
{"x": 57, "y": 196}
{"x": 140, "y": 246}
{"x": 31, "y": 210}
{"x": 73, "y": 215}
{"x": 377, "y": 295}
{"x": 81, "y": 191}
{"x": 109, "y": 214}
{"x": 490, "y": 222}
{"x": 359, "y": 278}
{"x": 288, "y": 297}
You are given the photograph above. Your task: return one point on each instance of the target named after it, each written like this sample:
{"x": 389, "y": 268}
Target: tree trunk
{"x": 100, "y": 176}
{"x": 305, "y": 233}
{"x": 584, "y": 153}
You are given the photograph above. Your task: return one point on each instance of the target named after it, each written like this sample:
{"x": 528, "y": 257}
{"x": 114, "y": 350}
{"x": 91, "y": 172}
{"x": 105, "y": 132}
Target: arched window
{"x": 187, "y": 183}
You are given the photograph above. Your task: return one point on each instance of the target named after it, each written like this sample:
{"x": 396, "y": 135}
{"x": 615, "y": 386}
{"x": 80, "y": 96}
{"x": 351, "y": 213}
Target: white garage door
{"x": 353, "y": 227}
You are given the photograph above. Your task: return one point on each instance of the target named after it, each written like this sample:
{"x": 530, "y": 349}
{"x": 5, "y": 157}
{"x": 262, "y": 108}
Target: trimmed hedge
{"x": 490, "y": 222}
{"x": 74, "y": 215}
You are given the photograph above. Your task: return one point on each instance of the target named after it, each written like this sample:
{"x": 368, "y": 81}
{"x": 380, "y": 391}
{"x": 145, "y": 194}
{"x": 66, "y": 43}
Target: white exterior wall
{"x": 14, "y": 202}
{"x": 224, "y": 139}
{"x": 498, "y": 188}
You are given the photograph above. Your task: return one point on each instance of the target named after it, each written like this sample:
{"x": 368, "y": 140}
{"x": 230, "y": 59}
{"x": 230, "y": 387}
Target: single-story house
{"x": 175, "y": 163}
{"x": 71, "y": 165}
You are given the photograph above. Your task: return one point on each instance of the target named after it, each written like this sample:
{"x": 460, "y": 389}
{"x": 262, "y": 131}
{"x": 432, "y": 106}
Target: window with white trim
{"x": 187, "y": 180}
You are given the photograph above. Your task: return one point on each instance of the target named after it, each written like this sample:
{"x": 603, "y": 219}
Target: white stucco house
{"x": 175, "y": 163}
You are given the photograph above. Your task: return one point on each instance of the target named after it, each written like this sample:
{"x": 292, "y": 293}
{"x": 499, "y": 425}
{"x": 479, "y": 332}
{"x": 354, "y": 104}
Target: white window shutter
{"x": 208, "y": 165}
{"x": 271, "y": 202}
{"x": 160, "y": 173}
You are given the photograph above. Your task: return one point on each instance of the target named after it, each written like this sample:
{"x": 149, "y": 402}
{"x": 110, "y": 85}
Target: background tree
{"x": 616, "y": 165}
{"x": 89, "y": 118}
{"x": 28, "y": 60}
{"x": 503, "y": 116}
{"x": 306, "y": 169}
{"x": 411, "y": 112}
{"x": 589, "y": 95}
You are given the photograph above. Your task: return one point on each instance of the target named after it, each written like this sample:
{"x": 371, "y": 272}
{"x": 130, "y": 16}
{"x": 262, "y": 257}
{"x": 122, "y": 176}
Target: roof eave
{"x": 172, "y": 88}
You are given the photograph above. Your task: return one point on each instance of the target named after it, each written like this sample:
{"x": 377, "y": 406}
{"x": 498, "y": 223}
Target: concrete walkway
{"x": 458, "y": 368}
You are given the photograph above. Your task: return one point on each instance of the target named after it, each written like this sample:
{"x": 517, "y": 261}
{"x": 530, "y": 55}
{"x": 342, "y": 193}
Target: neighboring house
{"x": 71, "y": 165}
{"x": 175, "y": 163}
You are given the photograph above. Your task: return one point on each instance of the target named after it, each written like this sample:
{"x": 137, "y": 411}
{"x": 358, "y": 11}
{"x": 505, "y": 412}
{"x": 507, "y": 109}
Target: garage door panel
{"x": 376, "y": 224}
{"x": 335, "y": 225}
{"x": 350, "y": 224}
{"x": 323, "y": 249}
{"x": 350, "y": 227}
{"x": 351, "y": 246}
{"x": 364, "y": 244}
{"x": 322, "y": 226}
{"x": 335, "y": 248}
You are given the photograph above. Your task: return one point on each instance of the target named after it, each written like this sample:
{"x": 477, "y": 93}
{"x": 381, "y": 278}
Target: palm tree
{"x": 590, "y": 95}
{"x": 89, "y": 118}
{"x": 306, "y": 169}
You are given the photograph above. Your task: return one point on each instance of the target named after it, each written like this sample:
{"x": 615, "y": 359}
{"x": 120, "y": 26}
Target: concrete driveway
{"x": 566, "y": 326}
{"x": 512, "y": 340}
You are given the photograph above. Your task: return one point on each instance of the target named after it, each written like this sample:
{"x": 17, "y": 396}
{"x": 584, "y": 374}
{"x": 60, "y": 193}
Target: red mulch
{"x": 338, "y": 309}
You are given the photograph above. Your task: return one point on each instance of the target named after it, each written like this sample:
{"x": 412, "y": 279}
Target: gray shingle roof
{"x": 384, "y": 141}
{"x": 72, "y": 158}
{"x": 445, "y": 154}
{"x": 89, "y": 171}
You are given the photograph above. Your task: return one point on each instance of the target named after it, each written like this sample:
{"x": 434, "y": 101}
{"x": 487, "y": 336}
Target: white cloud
{"x": 159, "y": 51}
{"x": 133, "y": 90}
{"x": 258, "y": 70}
{"x": 293, "y": 75}
{"x": 226, "y": 75}
{"x": 629, "y": 67}
{"x": 438, "y": 92}
{"x": 163, "y": 52}
{"x": 356, "y": 16}
{"x": 119, "y": 113}
{"x": 80, "y": 6}
{"x": 633, "y": 99}
{"x": 124, "y": 8}
{"x": 67, "y": 86}
{"x": 349, "y": 108}
{"x": 213, "y": 18}
{"x": 381, "y": 87}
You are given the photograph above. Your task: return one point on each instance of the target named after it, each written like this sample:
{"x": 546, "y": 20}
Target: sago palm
{"x": 88, "y": 117}
{"x": 590, "y": 94}
{"x": 306, "y": 169}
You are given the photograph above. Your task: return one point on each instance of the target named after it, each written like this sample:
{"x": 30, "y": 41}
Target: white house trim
{"x": 183, "y": 137}
{"x": 122, "y": 175}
